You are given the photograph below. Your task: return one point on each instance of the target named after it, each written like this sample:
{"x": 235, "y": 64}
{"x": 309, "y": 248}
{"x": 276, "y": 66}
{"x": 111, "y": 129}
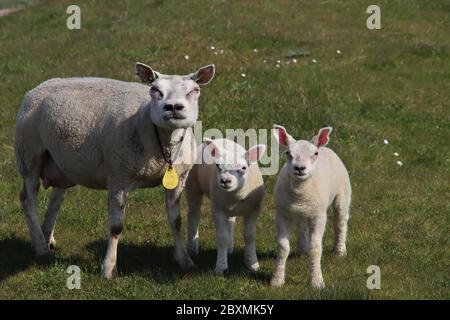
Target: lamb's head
{"x": 232, "y": 163}
{"x": 174, "y": 99}
{"x": 302, "y": 155}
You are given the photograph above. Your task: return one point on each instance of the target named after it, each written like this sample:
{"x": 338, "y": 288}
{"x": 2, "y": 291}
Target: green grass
{"x": 390, "y": 84}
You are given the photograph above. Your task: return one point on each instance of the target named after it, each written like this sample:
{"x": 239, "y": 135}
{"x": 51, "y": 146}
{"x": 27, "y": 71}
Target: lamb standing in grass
{"x": 107, "y": 134}
{"x": 233, "y": 182}
{"x": 312, "y": 179}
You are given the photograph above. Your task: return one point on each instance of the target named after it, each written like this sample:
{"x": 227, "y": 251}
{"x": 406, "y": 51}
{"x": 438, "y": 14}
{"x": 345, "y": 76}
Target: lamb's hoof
{"x": 43, "y": 252}
{"x": 317, "y": 284}
{"x": 340, "y": 252}
{"x": 277, "y": 282}
{"x": 300, "y": 253}
{"x": 109, "y": 272}
{"x": 253, "y": 267}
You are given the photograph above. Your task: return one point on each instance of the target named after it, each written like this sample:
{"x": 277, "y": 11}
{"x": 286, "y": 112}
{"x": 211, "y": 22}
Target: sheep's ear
{"x": 204, "y": 75}
{"x": 213, "y": 150}
{"x": 322, "y": 138}
{"x": 255, "y": 153}
{"x": 145, "y": 73}
{"x": 282, "y": 136}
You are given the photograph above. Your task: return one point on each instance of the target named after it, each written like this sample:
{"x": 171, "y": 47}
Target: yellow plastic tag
{"x": 170, "y": 179}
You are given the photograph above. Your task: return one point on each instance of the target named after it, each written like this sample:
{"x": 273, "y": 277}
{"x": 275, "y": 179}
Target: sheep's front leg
{"x": 116, "y": 217}
{"x": 283, "y": 234}
{"x": 316, "y": 229}
{"x": 231, "y": 227}
{"x": 222, "y": 241}
{"x": 251, "y": 259}
{"x": 173, "y": 213}
{"x": 302, "y": 237}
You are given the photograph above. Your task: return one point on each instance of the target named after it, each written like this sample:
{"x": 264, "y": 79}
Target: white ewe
{"x": 312, "y": 179}
{"x": 107, "y": 134}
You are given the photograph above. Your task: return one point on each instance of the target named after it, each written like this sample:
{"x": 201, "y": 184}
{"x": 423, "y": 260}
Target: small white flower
{"x": 212, "y": 48}
{"x": 277, "y": 65}
{"x": 294, "y": 60}
{"x": 221, "y": 51}
{"x": 216, "y": 53}
{"x": 264, "y": 61}
{"x": 399, "y": 163}
{"x": 314, "y": 60}
{"x": 186, "y": 57}
{"x": 385, "y": 141}
{"x": 243, "y": 75}
{"x": 338, "y": 51}
{"x": 255, "y": 50}
{"x": 396, "y": 154}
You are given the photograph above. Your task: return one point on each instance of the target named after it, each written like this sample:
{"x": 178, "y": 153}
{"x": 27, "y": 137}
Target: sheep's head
{"x": 232, "y": 166}
{"x": 302, "y": 155}
{"x": 174, "y": 99}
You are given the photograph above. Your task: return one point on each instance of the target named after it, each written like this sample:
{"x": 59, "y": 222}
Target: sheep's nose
{"x": 169, "y": 107}
{"x": 225, "y": 181}
{"x": 299, "y": 168}
{"x": 178, "y": 107}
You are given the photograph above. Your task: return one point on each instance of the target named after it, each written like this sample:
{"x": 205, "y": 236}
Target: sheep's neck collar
{"x": 167, "y": 156}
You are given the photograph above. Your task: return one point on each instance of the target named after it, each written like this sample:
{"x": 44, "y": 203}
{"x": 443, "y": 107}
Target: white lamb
{"x": 312, "y": 179}
{"x": 233, "y": 182}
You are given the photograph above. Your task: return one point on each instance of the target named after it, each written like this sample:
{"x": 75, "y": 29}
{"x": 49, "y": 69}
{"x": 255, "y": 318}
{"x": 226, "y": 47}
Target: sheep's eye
{"x": 217, "y": 165}
{"x": 244, "y": 168}
{"x": 288, "y": 153}
{"x": 194, "y": 91}
{"x": 156, "y": 92}
{"x": 317, "y": 153}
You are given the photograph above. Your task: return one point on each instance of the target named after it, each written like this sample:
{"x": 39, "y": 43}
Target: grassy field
{"x": 389, "y": 84}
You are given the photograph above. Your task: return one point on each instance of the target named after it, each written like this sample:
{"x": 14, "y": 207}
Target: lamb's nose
{"x": 299, "y": 168}
{"x": 178, "y": 107}
{"x": 225, "y": 181}
{"x": 169, "y": 107}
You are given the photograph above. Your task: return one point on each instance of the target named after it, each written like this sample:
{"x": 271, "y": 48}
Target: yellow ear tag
{"x": 170, "y": 179}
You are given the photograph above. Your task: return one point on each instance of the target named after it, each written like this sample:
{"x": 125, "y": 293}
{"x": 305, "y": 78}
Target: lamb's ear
{"x": 282, "y": 136}
{"x": 204, "y": 75}
{"x": 145, "y": 73}
{"x": 255, "y": 153}
{"x": 214, "y": 150}
{"x": 322, "y": 138}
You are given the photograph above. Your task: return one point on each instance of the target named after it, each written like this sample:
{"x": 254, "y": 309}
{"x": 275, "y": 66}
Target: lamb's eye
{"x": 193, "y": 91}
{"x": 288, "y": 154}
{"x": 244, "y": 168}
{"x": 218, "y": 166}
{"x": 156, "y": 92}
{"x": 317, "y": 153}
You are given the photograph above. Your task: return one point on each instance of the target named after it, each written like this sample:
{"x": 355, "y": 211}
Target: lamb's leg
{"x": 251, "y": 259}
{"x": 341, "y": 215}
{"x": 173, "y": 212}
{"x": 116, "y": 218}
{"x": 28, "y": 198}
{"x": 193, "y": 217}
{"x": 222, "y": 241}
{"x": 316, "y": 229}
{"x": 48, "y": 227}
{"x": 283, "y": 235}
{"x": 302, "y": 237}
{"x": 231, "y": 227}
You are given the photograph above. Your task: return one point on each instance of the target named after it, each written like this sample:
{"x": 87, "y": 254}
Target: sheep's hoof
{"x": 185, "y": 262}
{"x": 277, "y": 282}
{"x": 42, "y": 252}
{"x": 220, "y": 272}
{"x": 253, "y": 267}
{"x": 193, "y": 249}
{"x": 230, "y": 250}
{"x": 301, "y": 252}
{"x": 52, "y": 244}
{"x": 340, "y": 252}
{"x": 317, "y": 284}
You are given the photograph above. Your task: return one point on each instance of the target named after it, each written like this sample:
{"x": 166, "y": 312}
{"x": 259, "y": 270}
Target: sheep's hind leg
{"x": 48, "y": 227}
{"x": 231, "y": 227}
{"x": 283, "y": 235}
{"x": 28, "y": 198}
{"x": 302, "y": 237}
{"x": 340, "y": 220}
{"x": 116, "y": 218}
{"x": 193, "y": 219}
{"x": 251, "y": 259}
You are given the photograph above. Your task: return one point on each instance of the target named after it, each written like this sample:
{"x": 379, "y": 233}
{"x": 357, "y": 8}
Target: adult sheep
{"x": 107, "y": 134}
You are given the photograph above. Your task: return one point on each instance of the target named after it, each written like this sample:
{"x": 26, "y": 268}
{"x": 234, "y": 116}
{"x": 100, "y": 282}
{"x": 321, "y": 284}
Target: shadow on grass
{"x": 157, "y": 262}
{"x": 16, "y": 255}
